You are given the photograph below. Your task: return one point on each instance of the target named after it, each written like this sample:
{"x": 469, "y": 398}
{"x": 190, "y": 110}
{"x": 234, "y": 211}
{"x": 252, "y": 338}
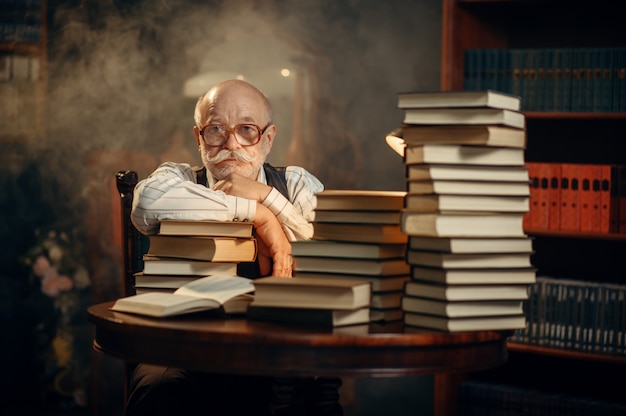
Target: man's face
{"x": 229, "y": 108}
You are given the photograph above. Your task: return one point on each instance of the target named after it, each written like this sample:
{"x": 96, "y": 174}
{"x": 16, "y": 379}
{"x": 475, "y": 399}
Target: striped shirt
{"x": 172, "y": 192}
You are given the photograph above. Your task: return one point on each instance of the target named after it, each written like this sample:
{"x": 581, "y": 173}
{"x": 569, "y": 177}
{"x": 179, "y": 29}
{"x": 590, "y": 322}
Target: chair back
{"x": 135, "y": 244}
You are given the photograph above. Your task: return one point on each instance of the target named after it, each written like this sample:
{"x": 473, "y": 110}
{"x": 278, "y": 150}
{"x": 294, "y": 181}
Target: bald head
{"x": 233, "y": 92}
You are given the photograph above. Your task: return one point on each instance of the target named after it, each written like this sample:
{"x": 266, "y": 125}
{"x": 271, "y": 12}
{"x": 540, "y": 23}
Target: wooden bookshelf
{"x": 562, "y": 137}
{"x": 23, "y": 70}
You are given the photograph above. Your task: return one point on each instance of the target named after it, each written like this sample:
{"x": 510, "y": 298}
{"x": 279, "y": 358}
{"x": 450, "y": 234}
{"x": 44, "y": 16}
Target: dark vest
{"x": 275, "y": 178}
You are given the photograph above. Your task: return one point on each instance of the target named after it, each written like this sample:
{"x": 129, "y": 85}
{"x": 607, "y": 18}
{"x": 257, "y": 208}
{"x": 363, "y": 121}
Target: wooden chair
{"x": 135, "y": 246}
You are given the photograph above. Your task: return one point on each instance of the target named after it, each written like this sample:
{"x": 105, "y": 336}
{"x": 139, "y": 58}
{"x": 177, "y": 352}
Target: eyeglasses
{"x": 246, "y": 134}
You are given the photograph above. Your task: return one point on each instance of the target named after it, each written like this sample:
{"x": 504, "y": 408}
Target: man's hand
{"x": 237, "y": 185}
{"x": 274, "y": 248}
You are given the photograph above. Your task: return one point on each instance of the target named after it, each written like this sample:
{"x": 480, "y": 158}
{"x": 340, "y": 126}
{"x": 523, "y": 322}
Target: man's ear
{"x": 196, "y": 132}
{"x": 270, "y": 134}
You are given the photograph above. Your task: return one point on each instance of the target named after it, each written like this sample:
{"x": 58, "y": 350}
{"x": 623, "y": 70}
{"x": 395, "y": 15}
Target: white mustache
{"x": 238, "y": 155}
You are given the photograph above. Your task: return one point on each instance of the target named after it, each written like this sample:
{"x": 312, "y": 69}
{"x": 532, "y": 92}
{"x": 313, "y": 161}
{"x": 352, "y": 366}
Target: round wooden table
{"x": 238, "y": 346}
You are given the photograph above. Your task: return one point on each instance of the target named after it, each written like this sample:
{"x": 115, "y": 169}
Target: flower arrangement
{"x": 57, "y": 267}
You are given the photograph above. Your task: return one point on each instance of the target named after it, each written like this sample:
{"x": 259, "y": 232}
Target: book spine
{"x": 554, "y": 196}
{"x": 570, "y": 213}
{"x": 587, "y": 217}
{"x": 603, "y": 75}
{"x": 621, "y": 196}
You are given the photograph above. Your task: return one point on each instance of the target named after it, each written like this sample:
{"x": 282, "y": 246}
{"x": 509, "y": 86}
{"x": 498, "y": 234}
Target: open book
{"x": 230, "y": 294}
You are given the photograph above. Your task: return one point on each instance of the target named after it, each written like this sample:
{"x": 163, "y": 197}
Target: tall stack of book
{"x": 467, "y": 194}
{"x": 184, "y": 251}
{"x": 357, "y": 237}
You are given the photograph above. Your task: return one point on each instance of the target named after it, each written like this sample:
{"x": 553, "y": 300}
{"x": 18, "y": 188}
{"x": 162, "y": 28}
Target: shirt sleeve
{"x": 171, "y": 192}
{"x": 296, "y": 214}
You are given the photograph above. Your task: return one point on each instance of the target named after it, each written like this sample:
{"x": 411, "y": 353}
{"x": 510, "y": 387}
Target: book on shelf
{"x": 479, "y": 323}
{"x": 353, "y": 216}
{"x": 490, "y": 276}
{"x": 364, "y": 266}
{"x": 459, "y": 99}
{"x": 468, "y": 292}
{"x": 170, "y": 265}
{"x": 309, "y": 316}
{"x": 468, "y": 260}
{"x": 359, "y": 233}
{"x": 312, "y": 293}
{"x": 441, "y": 224}
{"x": 570, "y": 197}
{"x": 467, "y": 172}
{"x": 554, "y": 195}
{"x": 539, "y": 206}
{"x": 206, "y": 228}
{"x": 479, "y": 203}
{"x": 160, "y": 281}
{"x": 380, "y": 283}
{"x": 347, "y": 249}
{"x": 217, "y": 249}
{"x": 471, "y": 245}
{"x": 386, "y": 315}
{"x": 462, "y": 309}
{"x": 359, "y": 200}
{"x": 482, "y": 135}
{"x": 466, "y": 187}
{"x": 463, "y": 155}
{"x": 464, "y": 116}
{"x": 229, "y": 294}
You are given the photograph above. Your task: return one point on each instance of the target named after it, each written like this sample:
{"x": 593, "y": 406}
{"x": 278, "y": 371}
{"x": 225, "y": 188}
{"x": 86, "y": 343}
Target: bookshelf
{"x": 23, "y": 70}
{"x": 552, "y": 137}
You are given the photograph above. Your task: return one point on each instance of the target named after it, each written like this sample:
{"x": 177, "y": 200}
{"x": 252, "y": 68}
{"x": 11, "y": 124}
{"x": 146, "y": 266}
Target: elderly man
{"x": 234, "y": 134}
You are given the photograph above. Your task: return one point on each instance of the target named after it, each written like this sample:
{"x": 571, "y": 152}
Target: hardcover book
{"x": 216, "y": 249}
{"x": 465, "y": 292}
{"x": 206, "y": 228}
{"x": 452, "y": 99}
{"x": 309, "y": 316}
{"x": 462, "y": 309}
{"x": 487, "y": 135}
{"x": 359, "y": 200}
{"x": 311, "y": 293}
{"x": 466, "y": 187}
{"x": 364, "y": 266}
{"x": 353, "y": 216}
{"x": 471, "y": 245}
{"x": 464, "y": 116}
{"x": 492, "y": 276}
{"x": 480, "y": 323}
{"x": 359, "y": 233}
{"x": 346, "y": 249}
{"x": 143, "y": 280}
{"x": 475, "y": 203}
{"x": 467, "y": 172}
{"x": 176, "y": 266}
{"x": 463, "y": 155}
{"x": 462, "y": 224}
{"x": 468, "y": 260}
{"x": 386, "y": 283}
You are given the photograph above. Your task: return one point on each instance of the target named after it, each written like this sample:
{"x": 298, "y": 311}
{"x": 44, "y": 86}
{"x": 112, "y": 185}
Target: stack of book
{"x": 184, "y": 251}
{"x": 467, "y": 194}
{"x": 357, "y": 237}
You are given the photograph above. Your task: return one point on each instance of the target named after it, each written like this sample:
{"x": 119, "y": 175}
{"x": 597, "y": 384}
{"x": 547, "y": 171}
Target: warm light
{"x": 240, "y": 77}
{"x": 285, "y": 72}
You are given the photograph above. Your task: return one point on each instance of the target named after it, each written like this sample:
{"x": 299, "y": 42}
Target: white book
{"x": 230, "y": 293}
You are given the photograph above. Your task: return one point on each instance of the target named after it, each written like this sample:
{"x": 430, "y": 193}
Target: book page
{"x": 217, "y": 287}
